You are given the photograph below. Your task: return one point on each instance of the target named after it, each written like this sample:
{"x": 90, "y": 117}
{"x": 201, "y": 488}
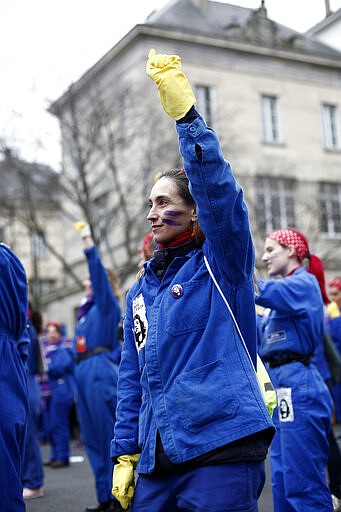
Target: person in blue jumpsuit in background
{"x": 60, "y": 364}
{"x": 334, "y": 455}
{"x": 333, "y": 326}
{"x": 97, "y": 352}
{"x": 190, "y": 416}
{"x": 13, "y": 379}
{"x": 290, "y": 333}
{"x": 33, "y": 474}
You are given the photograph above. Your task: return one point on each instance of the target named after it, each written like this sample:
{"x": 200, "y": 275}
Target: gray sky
{"x": 47, "y": 44}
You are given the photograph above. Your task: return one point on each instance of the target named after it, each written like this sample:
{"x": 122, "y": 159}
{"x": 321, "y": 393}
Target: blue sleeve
{"x": 221, "y": 209}
{"x": 128, "y": 392}
{"x": 13, "y": 293}
{"x": 284, "y": 295}
{"x": 296, "y": 308}
{"x": 103, "y": 293}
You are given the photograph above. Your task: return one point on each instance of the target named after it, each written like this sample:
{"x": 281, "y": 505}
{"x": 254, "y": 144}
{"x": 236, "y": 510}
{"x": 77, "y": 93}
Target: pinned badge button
{"x": 177, "y": 291}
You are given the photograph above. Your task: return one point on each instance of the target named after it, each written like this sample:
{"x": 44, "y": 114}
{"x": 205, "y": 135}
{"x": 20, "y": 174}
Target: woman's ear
{"x": 194, "y": 215}
{"x": 292, "y": 251}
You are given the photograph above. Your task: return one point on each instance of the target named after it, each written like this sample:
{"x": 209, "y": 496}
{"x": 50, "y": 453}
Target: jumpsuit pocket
{"x": 197, "y": 399}
{"x": 184, "y": 315}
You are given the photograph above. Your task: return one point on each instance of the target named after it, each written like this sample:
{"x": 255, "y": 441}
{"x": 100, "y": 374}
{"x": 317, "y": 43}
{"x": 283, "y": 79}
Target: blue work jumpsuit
{"x": 33, "y": 474}
{"x": 96, "y": 375}
{"x": 294, "y": 328}
{"x": 187, "y": 376}
{"x": 13, "y": 379}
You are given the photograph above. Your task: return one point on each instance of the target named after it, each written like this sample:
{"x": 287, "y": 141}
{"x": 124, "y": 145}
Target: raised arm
{"x": 221, "y": 209}
{"x": 286, "y": 296}
{"x": 103, "y": 293}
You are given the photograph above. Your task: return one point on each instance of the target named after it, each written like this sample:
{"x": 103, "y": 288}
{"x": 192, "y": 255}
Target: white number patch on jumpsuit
{"x": 140, "y": 328}
{"x": 284, "y": 403}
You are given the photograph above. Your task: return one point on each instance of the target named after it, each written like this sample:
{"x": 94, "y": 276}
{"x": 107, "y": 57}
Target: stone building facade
{"x": 272, "y": 94}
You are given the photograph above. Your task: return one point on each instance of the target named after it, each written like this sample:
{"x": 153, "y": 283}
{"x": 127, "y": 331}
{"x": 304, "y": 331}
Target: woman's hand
{"x": 175, "y": 92}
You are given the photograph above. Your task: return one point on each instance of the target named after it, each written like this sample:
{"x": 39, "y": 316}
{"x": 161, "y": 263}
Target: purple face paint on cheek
{"x": 171, "y": 222}
{"x": 174, "y": 213}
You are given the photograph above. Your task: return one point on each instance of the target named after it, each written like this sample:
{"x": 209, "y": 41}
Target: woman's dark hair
{"x": 181, "y": 181}
{"x": 37, "y": 321}
{"x": 115, "y": 283}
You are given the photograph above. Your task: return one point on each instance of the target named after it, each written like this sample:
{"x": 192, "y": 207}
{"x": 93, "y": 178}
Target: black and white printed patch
{"x": 140, "y": 328}
{"x": 285, "y": 405}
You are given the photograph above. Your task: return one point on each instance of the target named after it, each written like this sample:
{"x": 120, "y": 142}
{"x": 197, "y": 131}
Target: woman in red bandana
{"x": 289, "y": 336}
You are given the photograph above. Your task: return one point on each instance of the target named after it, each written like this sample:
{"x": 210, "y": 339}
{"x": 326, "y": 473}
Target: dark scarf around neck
{"x": 164, "y": 257}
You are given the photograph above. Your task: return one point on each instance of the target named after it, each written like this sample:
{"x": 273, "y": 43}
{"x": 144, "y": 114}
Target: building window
{"x": 275, "y": 203}
{"x": 203, "y": 96}
{"x": 331, "y": 127}
{"x": 330, "y": 208}
{"x": 38, "y": 246}
{"x": 270, "y": 119}
{"x": 41, "y": 286}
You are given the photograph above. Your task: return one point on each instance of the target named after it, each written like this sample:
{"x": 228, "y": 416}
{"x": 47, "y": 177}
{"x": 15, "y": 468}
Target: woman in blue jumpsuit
{"x": 96, "y": 346}
{"x": 189, "y": 405}
{"x": 13, "y": 379}
{"x": 290, "y": 333}
{"x": 60, "y": 365}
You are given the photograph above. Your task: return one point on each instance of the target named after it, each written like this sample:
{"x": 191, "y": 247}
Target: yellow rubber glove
{"x": 123, "y": 481}
{"x": 174, "y": 89}
{"x": 333, "y": 310}
{"x": 268, "y": 391}
{"x": 83, "y": 228}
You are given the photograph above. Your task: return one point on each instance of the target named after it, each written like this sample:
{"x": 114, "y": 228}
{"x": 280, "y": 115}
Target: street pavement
{"x": 67, "y": 489}
{"x": 72, "y": 488}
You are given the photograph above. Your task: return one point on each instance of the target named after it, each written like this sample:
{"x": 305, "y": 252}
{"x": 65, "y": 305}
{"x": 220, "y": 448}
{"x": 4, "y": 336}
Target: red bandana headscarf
{"x": 293, "y": 237}
{"x": 56, "y": 325}
{"x": 148, "y": 246}
{"x": 335, "y": 283}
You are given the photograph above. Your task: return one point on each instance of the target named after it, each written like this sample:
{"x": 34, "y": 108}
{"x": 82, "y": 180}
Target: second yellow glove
{"x": 83, "y": 228}
{"x": 174, "y": 89}
{"x": 333, "y": 310}
{"x": 268, "y": 391}
{"x": 123, "y": 482}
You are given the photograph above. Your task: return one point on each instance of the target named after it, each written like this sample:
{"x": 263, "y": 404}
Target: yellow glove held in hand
{"x": 123, "y": 482}
{"x": 268, "y": 391}
{"x": 333, "y": 310}
{"x": 174, "y": 89}
{"x": 83, "y": 228}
